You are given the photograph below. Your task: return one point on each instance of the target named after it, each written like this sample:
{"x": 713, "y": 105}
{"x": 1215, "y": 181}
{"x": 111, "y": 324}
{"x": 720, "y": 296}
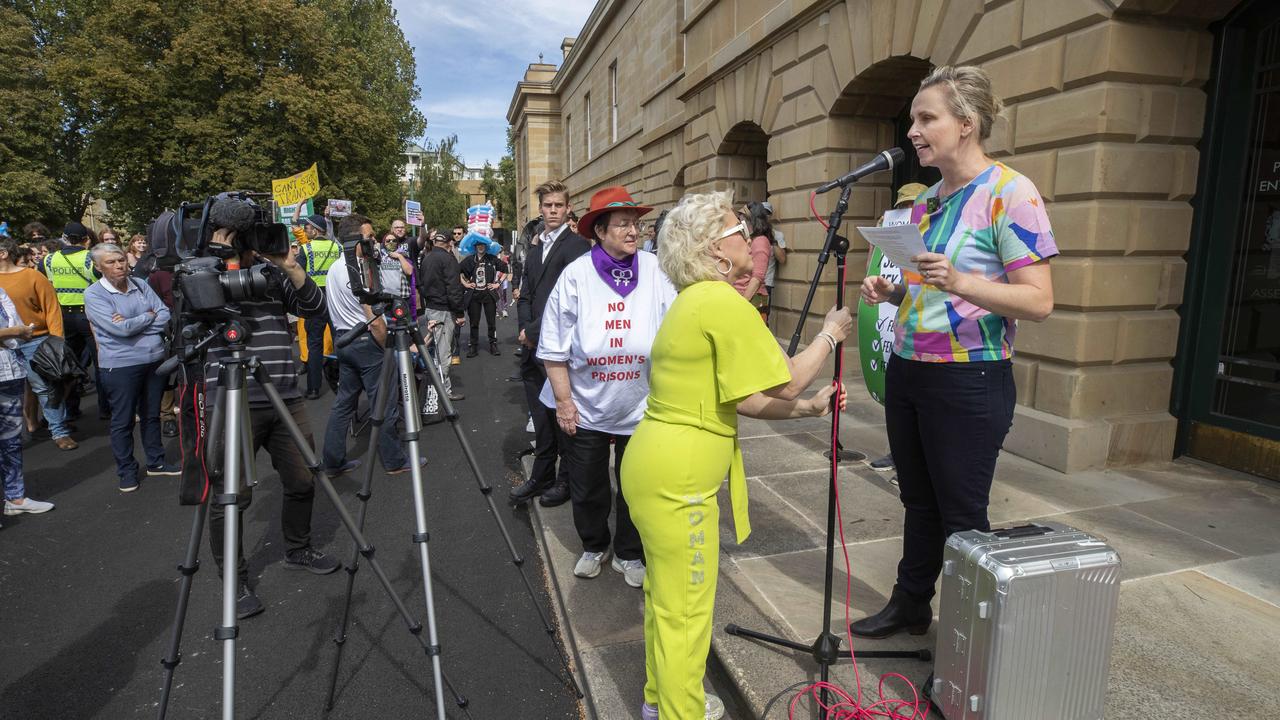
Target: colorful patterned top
{"x": 995, "y": 224}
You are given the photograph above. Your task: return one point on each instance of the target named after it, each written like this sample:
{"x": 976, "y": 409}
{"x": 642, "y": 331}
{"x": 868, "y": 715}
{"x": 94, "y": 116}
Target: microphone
{"x": 884, "y": 161}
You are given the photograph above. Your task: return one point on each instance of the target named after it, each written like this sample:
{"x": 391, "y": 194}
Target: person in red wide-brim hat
{"x": 604, "y": 202}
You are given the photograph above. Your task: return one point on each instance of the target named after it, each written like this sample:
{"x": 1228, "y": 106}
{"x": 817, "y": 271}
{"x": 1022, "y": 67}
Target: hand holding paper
{"x": 899, "y": 243}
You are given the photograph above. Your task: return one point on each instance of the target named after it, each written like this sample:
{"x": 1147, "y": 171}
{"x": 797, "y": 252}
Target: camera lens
{"x": 245, "y": 284}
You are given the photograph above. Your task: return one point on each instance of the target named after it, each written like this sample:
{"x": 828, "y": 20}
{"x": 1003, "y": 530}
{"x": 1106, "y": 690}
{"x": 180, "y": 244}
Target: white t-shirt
{"x": 345, "y": 311}
{"x": 605, "y": 339}
{"x": 772, "y": 271}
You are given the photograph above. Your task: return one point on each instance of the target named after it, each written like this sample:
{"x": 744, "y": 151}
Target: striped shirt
{"x": 269, "y": 338}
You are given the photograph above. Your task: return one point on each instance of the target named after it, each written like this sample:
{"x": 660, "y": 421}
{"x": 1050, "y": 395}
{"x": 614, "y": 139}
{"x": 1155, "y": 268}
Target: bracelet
{"x": 831, "y": 340}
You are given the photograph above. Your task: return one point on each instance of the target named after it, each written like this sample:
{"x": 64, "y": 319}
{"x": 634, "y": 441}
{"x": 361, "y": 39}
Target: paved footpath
{"x": 87, "y": 591}
{"x": 1199, "y": 604}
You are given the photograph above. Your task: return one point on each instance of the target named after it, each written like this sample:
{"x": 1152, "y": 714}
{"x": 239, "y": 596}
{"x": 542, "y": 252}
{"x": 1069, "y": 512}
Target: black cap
{"x": 75, "y": 230}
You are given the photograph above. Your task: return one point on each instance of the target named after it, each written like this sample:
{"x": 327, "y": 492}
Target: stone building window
{"x": 613, "y": 102}
{"x": 568, "y": 142}
{"x": 586, "y": 103}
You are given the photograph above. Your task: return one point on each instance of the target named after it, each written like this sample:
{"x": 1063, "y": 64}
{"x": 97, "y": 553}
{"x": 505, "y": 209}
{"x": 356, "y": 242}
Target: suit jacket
{"x": 540, "y": 276}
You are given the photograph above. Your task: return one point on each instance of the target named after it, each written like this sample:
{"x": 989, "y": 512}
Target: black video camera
{"x": 206, "y": 286}
{"x": 188, "y": 231}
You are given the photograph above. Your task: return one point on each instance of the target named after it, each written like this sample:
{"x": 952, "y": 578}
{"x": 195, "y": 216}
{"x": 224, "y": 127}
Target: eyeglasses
{"x": 628, "y": 224}
{"x": 740, "y": 228}
{"x": 457, "y": 233}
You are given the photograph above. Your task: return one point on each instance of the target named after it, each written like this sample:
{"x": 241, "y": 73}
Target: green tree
{"x": 30, "y": 111}
{"x": 172, "y": 100}
{"x": 436, "y": 185}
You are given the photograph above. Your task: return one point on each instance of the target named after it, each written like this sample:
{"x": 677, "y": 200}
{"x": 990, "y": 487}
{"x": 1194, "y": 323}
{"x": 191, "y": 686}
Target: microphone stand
{"x": 825, "y": 650}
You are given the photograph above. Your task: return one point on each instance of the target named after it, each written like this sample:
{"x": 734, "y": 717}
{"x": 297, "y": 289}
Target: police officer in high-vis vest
{"x": 316, "y": 252}
{"x": 71, "y": 271}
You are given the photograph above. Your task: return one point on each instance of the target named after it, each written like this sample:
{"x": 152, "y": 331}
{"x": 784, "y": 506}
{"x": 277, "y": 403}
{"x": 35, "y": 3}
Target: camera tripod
{"x": 397, "y": 372}
{"x": 230, "y": 424}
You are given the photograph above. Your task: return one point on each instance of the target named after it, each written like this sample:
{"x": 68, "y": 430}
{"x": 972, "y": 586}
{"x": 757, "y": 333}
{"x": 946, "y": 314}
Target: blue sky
{"x": 471, "y": 55}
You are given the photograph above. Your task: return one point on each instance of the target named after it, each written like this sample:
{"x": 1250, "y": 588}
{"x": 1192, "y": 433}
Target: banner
{"x": 284, "y": 213}
{"x": 876, "y": 322}
{"x": 413, "y": 213}
{"x": 296, "y": 188}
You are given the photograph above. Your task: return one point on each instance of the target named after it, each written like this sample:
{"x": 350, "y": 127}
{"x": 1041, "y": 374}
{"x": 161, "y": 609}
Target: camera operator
{"x": 359, "y": 363}
{"x": 289, "y": 291}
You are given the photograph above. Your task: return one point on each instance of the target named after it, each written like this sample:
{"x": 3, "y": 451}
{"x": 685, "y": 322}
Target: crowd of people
{"x": 639, "y": 344}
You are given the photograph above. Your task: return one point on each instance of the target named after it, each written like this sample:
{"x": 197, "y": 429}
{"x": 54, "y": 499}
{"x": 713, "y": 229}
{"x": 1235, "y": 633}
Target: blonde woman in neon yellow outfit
{"x": 712, "y": 360}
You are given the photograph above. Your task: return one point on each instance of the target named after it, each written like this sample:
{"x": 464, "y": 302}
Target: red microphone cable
{"x": 849, "y": 706}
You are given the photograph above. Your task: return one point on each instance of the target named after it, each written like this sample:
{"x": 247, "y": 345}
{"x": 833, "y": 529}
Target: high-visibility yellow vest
{"x": 318, "y": 255}
{"x": 71, "y": 272}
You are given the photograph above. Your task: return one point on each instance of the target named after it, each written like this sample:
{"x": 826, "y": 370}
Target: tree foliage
{"x": 435, "y": 185}
{"x": 160, "y": 101}
{"x": 500, "y": 184}
{"x": 27, "y": 191}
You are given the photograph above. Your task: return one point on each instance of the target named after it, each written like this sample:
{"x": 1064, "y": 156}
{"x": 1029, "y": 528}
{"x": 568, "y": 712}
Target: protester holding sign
{"x": 949, "y": 393}
{"x": 597, "y": 331}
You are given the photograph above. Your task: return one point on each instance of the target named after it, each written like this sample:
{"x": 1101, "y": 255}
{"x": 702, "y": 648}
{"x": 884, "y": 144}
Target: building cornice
{"x": 586, "y": 39}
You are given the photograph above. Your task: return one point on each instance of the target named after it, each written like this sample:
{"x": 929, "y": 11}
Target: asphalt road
{"x": 88, "y": 591}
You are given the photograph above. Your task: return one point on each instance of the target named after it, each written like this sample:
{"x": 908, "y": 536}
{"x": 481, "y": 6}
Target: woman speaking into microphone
{"x": 597, "y": 329}
{"x": 949, "y": 391}
{"x": 711, "y": 361}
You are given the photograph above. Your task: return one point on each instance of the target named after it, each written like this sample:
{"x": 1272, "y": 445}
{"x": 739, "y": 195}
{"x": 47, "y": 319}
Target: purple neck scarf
{"x": 619, "y": 275}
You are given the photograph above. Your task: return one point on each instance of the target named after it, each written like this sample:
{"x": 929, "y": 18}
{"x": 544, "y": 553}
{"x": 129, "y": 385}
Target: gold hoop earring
{"x": 724, "y": 272}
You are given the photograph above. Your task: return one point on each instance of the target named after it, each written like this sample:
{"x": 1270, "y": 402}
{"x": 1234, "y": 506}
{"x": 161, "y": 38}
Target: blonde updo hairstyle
{"x": 689, "y": 232}
{"x": 970, "y": 95}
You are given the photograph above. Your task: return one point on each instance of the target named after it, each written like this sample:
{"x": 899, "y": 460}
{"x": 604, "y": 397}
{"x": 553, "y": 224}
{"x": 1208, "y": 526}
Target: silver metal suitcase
{"x": 1025, "y": 625}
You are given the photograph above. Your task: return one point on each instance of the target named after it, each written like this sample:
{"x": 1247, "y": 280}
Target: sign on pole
{"x": 284, "y": 213}
{"x": 339, "y": 208}
{"x": 413, "y": 212}
{"x": 296, "y": 188}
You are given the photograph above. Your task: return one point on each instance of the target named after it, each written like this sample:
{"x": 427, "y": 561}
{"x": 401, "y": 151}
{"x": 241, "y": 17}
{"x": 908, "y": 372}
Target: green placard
{"x": 876, "y": 322}
{"x": 875, "y": 329}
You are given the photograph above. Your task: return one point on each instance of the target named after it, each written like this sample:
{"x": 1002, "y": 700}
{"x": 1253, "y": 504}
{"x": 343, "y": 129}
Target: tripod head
{"x": 200, "y": 333}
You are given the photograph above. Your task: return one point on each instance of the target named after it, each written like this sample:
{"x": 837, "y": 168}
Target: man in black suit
{"x": 557, "y": 247}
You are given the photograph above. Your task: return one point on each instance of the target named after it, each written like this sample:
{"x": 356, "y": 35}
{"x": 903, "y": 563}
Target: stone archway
{"x": 741, "y": 163}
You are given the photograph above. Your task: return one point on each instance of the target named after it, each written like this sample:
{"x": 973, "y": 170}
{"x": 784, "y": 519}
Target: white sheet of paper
{"x": 899, "y": 243}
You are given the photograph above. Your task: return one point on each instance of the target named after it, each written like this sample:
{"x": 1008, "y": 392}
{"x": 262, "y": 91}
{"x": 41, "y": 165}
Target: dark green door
{"x": 1229, "y": 359}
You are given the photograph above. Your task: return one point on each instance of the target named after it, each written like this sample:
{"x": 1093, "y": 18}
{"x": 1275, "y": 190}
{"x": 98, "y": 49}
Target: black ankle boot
{"x": 903, "y": 612}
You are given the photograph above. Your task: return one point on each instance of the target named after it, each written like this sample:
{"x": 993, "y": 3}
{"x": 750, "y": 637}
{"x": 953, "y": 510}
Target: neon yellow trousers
{"x": 670, "y": 477}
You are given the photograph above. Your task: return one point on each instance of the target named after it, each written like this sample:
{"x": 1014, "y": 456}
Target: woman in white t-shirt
{"x": 597, "y": 330}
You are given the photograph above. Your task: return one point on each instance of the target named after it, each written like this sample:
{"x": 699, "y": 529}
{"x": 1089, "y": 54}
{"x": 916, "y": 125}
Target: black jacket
{"x": 55, "y": 362}
{"x": 540, "y": 276}
{"x": 439, "y": 284}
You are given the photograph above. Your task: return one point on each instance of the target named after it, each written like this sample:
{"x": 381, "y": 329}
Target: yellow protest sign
{"x": 296, "y": 188}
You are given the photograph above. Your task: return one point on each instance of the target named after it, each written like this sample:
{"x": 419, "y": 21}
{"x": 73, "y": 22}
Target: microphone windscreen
{"x": 232, "y": 214}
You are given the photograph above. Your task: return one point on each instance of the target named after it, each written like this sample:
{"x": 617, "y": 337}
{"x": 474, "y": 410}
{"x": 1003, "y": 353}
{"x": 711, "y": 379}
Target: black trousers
{"x": 946, "y": 423}
{"x": 80, "y": 342}
{"x": 315, "y": 327}
{"x": 587, "y": 455}
{"x": 548, "y": 439}
{"x": 299, "y": 486}
{"x": 483, "y": 301}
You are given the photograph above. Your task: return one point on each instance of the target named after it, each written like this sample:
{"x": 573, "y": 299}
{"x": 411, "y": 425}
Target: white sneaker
{"x": 632, "y": 571}
{"x": 714, "y": 709}
{"x": 589, "y": 564}
{"x": 529, "y": 427}
{"x": 504, "y": 313}
{"x": 34, "y": 507}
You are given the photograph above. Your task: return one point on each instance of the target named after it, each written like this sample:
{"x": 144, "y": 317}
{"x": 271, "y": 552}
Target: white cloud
{"x": 470, "y": 55}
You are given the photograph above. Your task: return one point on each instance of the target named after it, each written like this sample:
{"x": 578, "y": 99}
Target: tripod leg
{"x": 433, "y": 372}
{"x": 190, "y": 564}
{"x": 412, "y": 429}
{"x": 366, "y": 549}
{"x": 188, "y": 568}
{"x": 234, "y": 374}
{"x": 353, "y": 565}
